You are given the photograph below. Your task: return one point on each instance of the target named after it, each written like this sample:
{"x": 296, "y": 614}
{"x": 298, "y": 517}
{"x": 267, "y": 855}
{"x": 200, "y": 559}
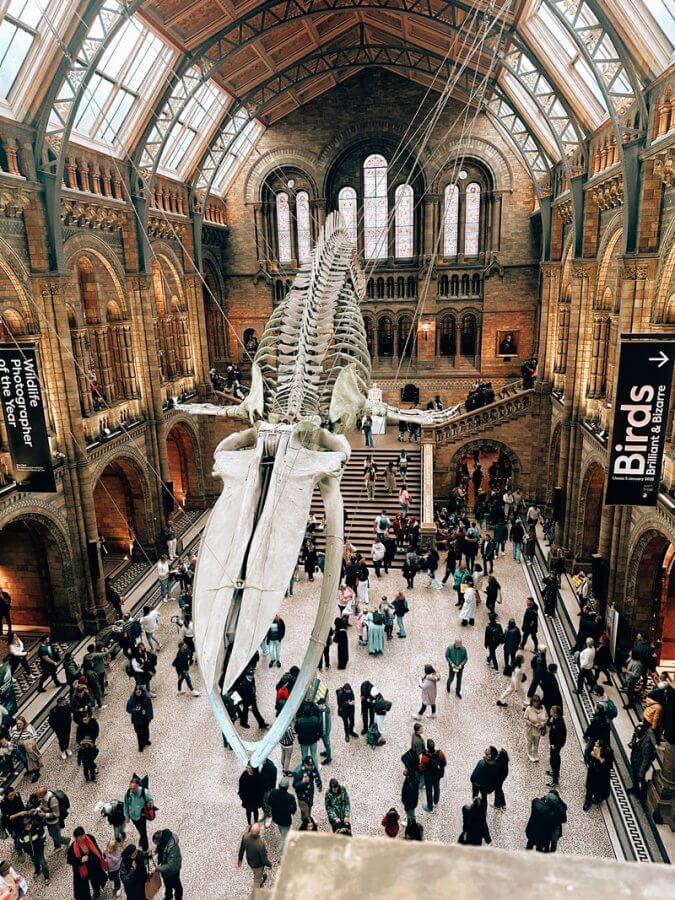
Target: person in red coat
{"x": 89, "y": 867}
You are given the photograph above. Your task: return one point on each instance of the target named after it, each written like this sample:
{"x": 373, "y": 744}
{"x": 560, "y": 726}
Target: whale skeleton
{"x": 311, "y": 368}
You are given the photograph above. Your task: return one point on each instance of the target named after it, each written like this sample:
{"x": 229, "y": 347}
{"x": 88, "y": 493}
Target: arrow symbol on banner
{"x": 661, "y": 359}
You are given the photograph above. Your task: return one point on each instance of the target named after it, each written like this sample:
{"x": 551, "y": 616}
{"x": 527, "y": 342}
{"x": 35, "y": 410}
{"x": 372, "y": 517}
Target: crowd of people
{"x": 472, "y": 546}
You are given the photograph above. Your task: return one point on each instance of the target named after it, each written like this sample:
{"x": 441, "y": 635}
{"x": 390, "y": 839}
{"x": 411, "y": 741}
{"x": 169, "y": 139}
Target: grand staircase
{"x": 361, "y": 512}
{"x": 512, "y": 404}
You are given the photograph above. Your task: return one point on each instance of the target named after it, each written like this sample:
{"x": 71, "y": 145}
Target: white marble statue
{"x": 312, "y": 366}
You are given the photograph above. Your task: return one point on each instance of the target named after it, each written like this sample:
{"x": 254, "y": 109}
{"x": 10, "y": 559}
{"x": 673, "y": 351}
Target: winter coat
{"x": 304, "y": 790}
{"x": 456, "y": 656}
{"x": 653, "y": 712}
{"x": 280, "y": 632}
{"x": 60, "y": 719}
{"x": 598, "y": 776}
{"x": 517, "y": 533}
{"x": 494, "y": 635}
{"x": 535, "y": 720}
{"x": 468, "y": 610}
{"x": 643, "y": 751}
{"x": 429, "y": 686}
{"x": 542, "y": 822}
{"x": 308, "y": 724}
{"x": 251, "y": 789}
{"x": 474, "y": 826}
{"x": 268, "y": 773}
{"x": 140, "y": 710}
{"x": 531, "y": 619}
{"x": 551, "y": 691}
{"x": 512, "y": 639}
{"x": 337, "y": 805}
{"x": 282, "y": 806}
{"x": 169, "y": 859}
{"x": 486, "y": 775}
{"x": 557, "y": 733}
{"x": 410, "y": 791}
{"x": 253, "y": 847}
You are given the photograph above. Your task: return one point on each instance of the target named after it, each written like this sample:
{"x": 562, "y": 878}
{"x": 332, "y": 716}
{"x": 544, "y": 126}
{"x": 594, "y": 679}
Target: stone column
{"x": 427, "y": 525}
{"x": 661, "y": 791}
{"x": 77, "y": 482}
{"x": 431, "y": 224}
{"x": 195, "y": 332}
{"x": 81, "y": 353}
{"x": 495, "y": 233}
{"x": 139, "y": 288}
{"x": 104, "y": 367}
{"x": 549, "y": 299}
{"x": 582, "y": 280}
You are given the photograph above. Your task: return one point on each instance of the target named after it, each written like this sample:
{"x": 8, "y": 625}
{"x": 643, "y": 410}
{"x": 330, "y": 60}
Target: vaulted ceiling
{"x": 279, "y": 34}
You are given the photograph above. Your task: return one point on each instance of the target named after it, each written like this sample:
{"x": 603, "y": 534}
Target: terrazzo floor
{"x": 194, "y": 780}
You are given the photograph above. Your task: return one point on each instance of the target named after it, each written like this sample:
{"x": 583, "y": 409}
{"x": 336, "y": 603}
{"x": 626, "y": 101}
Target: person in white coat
{"x": 467, "y": 614}
{"x": 536, "y": 718}
{"x": 429, "y": 686}
{"x": 516, "y": 685}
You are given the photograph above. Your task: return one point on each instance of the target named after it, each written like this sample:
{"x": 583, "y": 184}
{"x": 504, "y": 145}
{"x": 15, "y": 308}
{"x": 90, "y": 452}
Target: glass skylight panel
{"x": 18, "y": 32}
{"x": 663, "y": 12}
{"x": 123, "y": 83}
{"x": 241, "y": 147}
{"x": 203, "y": 112}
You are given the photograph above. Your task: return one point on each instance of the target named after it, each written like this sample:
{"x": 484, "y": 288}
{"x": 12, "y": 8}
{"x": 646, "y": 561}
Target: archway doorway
{"x": 594, "y": 484}
{"x": 120, "y": 503}
{"x": 654, "y": 596}
{"x": 31, "y": 570}
{"x": 182, "y": 454}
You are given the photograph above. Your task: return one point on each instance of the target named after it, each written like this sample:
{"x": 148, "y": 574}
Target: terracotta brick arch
{"x": 123, "y": 504}
{"x": 36, "y": 567}
{"x": 590, "y": 511}
{"x": 650, "y": 589}
{"x": 488, "y": 445}
{"x": 185, "y": 463}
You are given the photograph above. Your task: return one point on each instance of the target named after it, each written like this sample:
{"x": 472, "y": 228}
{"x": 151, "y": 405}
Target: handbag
{"x": 153, "y": 885}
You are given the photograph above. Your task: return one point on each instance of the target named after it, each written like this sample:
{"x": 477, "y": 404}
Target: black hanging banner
{"x": 640, "y": 421}
{"x": 24, "y": 414}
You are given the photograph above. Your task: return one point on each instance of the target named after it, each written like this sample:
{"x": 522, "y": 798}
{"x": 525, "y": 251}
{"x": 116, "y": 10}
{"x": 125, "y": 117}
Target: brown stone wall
{"x": 313, "y": 137}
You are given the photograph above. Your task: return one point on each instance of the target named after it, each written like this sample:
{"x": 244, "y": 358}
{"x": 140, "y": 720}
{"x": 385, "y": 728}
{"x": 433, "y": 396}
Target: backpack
{"x": 435, "y": 767}
{"x": 382, "y": 523}
{"x": 373, "y": 736}
{"x": 64, "y": 806}
{"x": 378, "y": 618}
{"x": 611, "y": 712}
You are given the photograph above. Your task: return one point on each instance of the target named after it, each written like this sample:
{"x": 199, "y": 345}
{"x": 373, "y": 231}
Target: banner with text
{"x": 24, "y": 414}
{"x": 640, "y": 420}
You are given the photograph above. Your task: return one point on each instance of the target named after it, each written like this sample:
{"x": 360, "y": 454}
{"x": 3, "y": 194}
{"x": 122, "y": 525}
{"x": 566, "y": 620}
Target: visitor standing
{"x": 168, "y": 862}
{"x": 283, "y": 807}
{"x": 557, "y": 737}
{"x": 137, "y": 803}
{"x": 432, "y": 767}
{"x": 89, "y": 867}
{"x": 535, "y": 726}
{"x": 253, "y": 847}
{"x": 139, "y": 707}
{"x": 251, "y": 792}
{"x": 429, "y": 687}
{"x": 60, "y": 720}
{"x": 457, "y": 658}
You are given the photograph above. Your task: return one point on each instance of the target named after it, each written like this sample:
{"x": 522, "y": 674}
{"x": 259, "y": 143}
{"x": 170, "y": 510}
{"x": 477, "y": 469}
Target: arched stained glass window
{"x": 472, "y": 219}
{"x": 348, "y": 211}
{"x": 375, "y": 207}
{"x": 303, "y": 225}
{"x": 405, "y": 205}
{"x": 450, "y": 220}
{"x": 284, "y": 227}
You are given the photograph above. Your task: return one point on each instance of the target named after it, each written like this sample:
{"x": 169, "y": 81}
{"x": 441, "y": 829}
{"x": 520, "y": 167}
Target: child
{"x": 32, "y": 840}
{"x": 114, "y": 813}
{"x": 113, "y": 856}
{"x": 390, "y": 823}
{"x": 86, "y": 757}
